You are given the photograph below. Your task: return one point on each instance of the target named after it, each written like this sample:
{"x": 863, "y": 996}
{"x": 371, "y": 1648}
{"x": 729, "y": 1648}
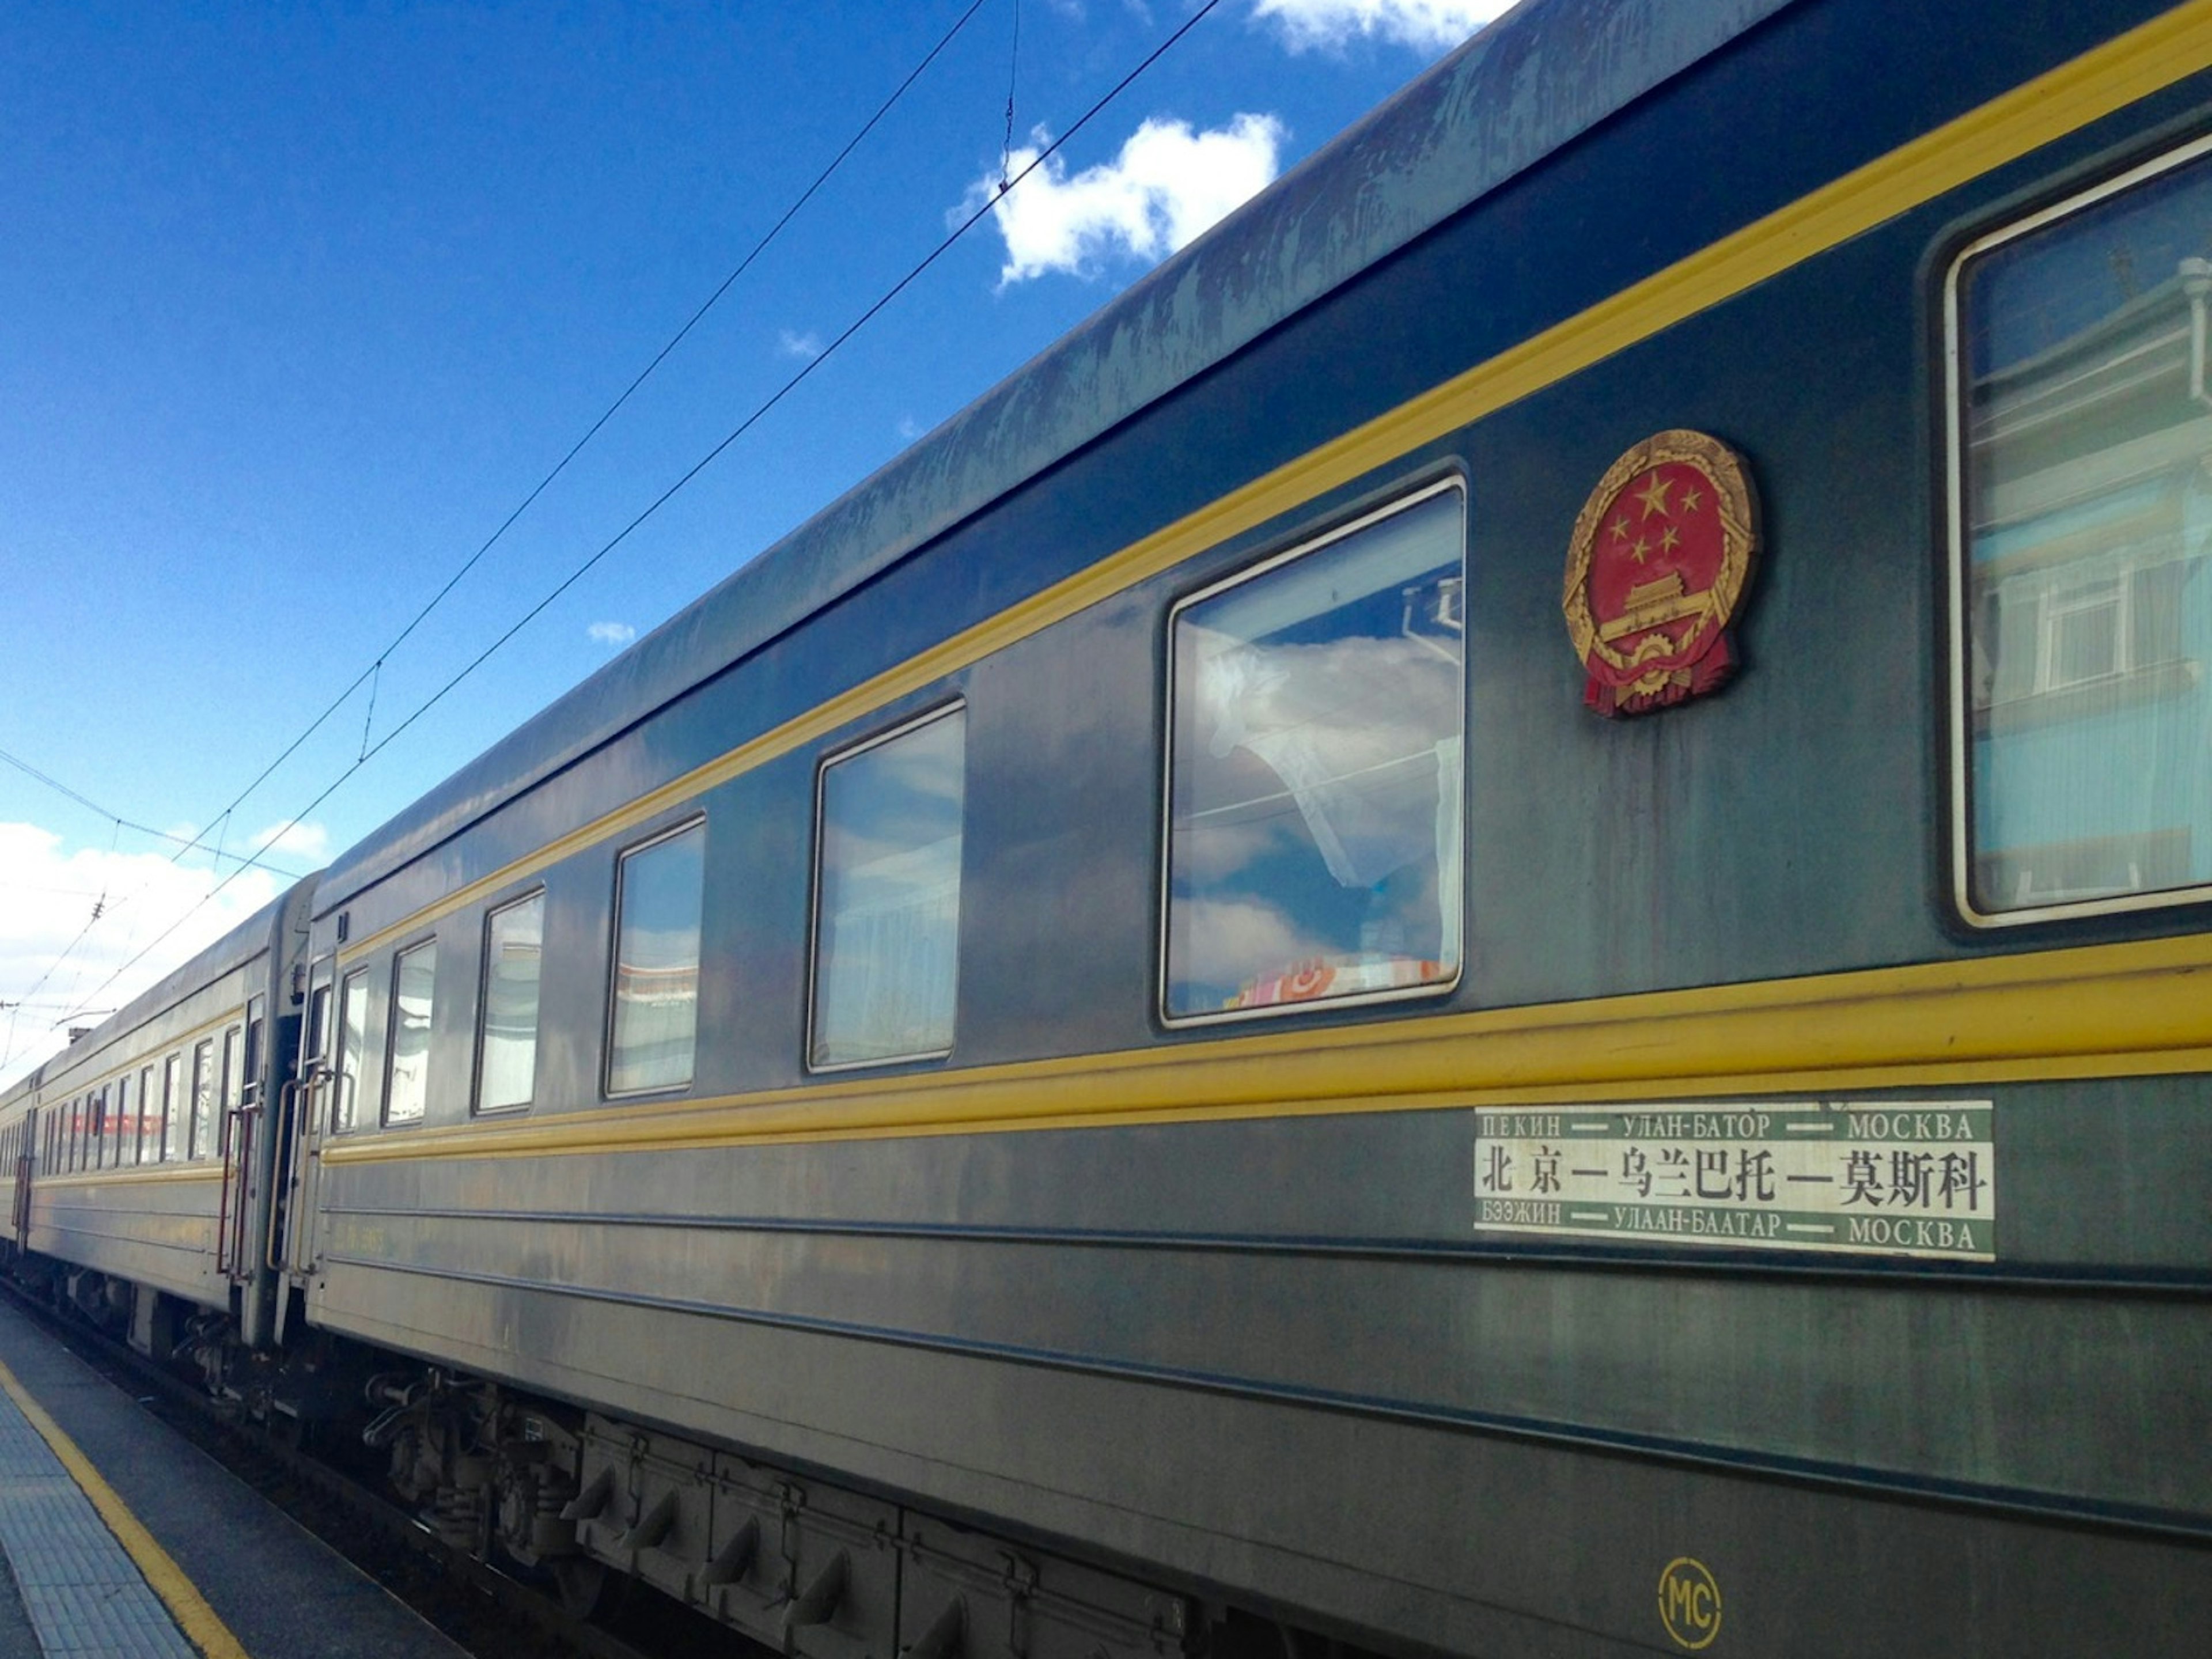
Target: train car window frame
{"x": 126, "y": 1125}
{"x": 232, "y": 1094}
{"x": 488, "y": 983}
{"x": 257, "y": 1035}
{"x": 315, "y": 1027}
{"x": 1976, "y": 654}
{"x": 1289, "y": 997}
{"x": 173, "y": 1099}
{"x": 148, "y": 1127}
{"x": 819, "y": 958}
{"x": 353, "y": 1040}
{"x": 618, "y": 1003}
{"x": 407, "y": 1094}
{"x": 204, "y": 1086}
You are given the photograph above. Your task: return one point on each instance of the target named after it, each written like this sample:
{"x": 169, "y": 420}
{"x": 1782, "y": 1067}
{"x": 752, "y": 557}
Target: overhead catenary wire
{"x": 760, "y": 246}
{"x": 102, "y": 908}
{"x": 187, "y": 843}
{"x": 1014, "y": 72}
{"x": 1045, "y": 152}
{"x": 372, "y": 675}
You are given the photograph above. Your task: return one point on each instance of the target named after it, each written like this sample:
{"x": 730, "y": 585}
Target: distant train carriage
{"x": 1481, "y": 930}
{"x": 142, "y": 1158}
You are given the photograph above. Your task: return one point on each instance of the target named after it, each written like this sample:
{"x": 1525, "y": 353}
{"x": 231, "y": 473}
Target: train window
{"x": 149, "y": 1117}
{"x": 414, "y": 981}
{"x": 248, "y": 1086}
{"x": 125, "y": 1150}
{"x": 353, "y": 1045}
{"x": 315, "y": 1031}
{"x": 887, "y": 895}
{"x": 204, "y": 1096}
{"x": 658, "y": 891}
{"x": 233, "y": 1076}
{"x": 2082, "y": 457}
{"x": 507, "y": 1034}
{"x": 174, "y": 1109}
{"x": 103, "y": 1129}
{"x": 1314, "y": 772}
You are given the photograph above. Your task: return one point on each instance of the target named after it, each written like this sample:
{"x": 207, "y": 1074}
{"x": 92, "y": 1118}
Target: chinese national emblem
{"x": 1661, "y": 557}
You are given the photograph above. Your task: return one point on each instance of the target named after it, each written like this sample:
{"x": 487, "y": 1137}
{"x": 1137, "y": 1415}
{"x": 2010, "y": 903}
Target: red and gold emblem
{"x": 1662, "y": 555}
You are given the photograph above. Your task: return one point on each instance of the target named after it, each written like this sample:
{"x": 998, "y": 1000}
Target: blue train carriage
{"x": 1478, "y": 931}
{"x": 143, "y": 1156}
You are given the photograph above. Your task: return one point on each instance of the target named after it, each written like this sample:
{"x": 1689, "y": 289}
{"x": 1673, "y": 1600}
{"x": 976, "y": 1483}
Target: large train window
{"x": 123, "y": 1143}
{"x": 234, "y": 1078}
{"x": 353, "y": 1050}
{"x": 506, "y": 1035}
{"x": 659, "y": 889}
{"x": 2081, "y": 464}
{"x": 887, "y": 895}
{"x": 204, "y": 1099}
{"x": 110, "y": 1123}
{"x": 172, "y": 1116}
{"x": 414, "y": 982}
{"x": 149, "y": 1117}
{"x": 1314, "y": 772}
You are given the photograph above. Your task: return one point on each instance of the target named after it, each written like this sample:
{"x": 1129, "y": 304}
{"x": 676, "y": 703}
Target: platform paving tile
{"x": 80, "y": 1588}
{"x": 279, "y": 1592}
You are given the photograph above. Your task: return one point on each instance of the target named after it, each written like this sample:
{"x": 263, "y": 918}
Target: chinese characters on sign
{"x": 1879, "y": 1177}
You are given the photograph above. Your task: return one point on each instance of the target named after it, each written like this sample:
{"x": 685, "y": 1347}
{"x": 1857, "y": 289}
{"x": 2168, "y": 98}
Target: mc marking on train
{"x": 1690, "y": 1603}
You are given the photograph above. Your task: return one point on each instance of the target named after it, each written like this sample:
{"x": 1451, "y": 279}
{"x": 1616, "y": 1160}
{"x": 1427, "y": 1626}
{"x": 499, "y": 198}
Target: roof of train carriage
{"x": 244, "y": 942}
{"x": 1521, "y": 89}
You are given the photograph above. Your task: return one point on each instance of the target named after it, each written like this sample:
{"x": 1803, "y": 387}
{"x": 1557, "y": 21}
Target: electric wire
{"x": 592, "y": 431}
{"x": 185, "y": 842}
{"x": 372, "y": 675}
{"x": 1044, "y": 154}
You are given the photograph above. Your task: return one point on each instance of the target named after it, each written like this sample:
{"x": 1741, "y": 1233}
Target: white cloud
{"x": 1229, "y": 942}
{"x": 1429, "y": 25}
{"x": 610, "y": 632}
{"x": 793, "y": 344}
{"x": 1168, "y": 185}
{"x": 295, "y": 845}
{"x": 908, "y": 429}
{"x": 48, "y": 894}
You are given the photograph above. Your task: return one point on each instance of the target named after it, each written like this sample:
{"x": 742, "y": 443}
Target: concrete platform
{"x": 125, "y": 1542}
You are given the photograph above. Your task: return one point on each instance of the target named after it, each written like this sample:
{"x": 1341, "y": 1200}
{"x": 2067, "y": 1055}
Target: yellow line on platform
{"x": 179, "y": 1594}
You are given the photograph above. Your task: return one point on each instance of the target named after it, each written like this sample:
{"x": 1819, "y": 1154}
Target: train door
{"x": 234, "y": 1145}
{"x": 302, "y": 1105}
{"x": 19, "y": 1211}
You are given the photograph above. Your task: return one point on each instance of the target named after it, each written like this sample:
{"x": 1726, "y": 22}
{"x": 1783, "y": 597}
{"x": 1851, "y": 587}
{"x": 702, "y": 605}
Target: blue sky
{"x": 301, "y": 302}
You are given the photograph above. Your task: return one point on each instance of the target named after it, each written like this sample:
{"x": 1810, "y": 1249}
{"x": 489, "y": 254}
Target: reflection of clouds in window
{"x": 1316, "y": 788}
{"x": 657, "y": 964}
{"x": 413, "y": 981}
{"x": 1224, "y": 937}
{"x": 353, "y": 1040}
{"x": 2088, "y": 617}
{"x": 888, "y": 918}
{"x": 515, "y": 946}
{"x": 202, "y": 1131}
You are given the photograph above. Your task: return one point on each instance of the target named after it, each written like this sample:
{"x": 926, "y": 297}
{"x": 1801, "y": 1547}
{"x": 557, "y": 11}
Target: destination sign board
{"x": 1866, "y": 1178}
